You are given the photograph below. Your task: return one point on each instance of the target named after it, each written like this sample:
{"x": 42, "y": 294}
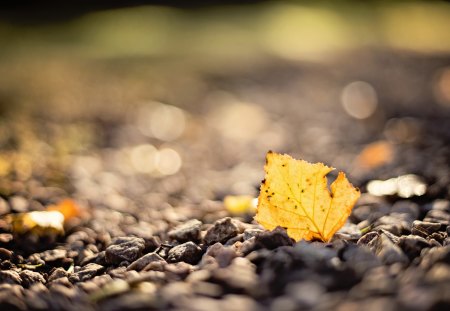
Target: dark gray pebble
{"x": 273, "y": 239}
{"x": 188, "y": 252}
{"x": 124, "y": 249}
{"x": 188, "y": 231}
{"x": 222, "y": 230}
{"x": 142, "y": 262}
{"x": 412, "y": 245}
{"x": 438, "y": 216}
{"x": 388, "y": 251}
{"x": 424, "y": 228}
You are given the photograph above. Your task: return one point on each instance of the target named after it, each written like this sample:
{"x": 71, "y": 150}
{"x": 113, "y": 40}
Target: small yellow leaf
{"x": 38, "y": 222}
{"x": 295, "y": 196}
{"x": 239, "y": 204}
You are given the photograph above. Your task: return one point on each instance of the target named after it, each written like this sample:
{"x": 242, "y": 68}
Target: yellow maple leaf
{"x": 295, "y": 196}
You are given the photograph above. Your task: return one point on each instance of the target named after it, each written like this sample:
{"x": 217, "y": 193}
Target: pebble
{"x": 306, "y": 294}
{"x": 223, "y": 255}
{"x": 30, "y": 277}
{"x": 4, "y": 207}
{"x": 376, "y": 281}
{"x": 5, "y": 238}
{"x": 387, "y": 251}
{"x": 19, "y": 204}
{"x": 251, "y": 232}
{"x": 124, "y": 249}
{"x": 207, "y": 289}
{"x": 273, "y": 239}
{"x": 240, "y": 274}
{"x": 53, "y": 255}
{"x": 370, "y": 209}
{"x": 438, "y": 216}
{"x": 233, "y": 302}
{"x": 144, "y": 261}
{"x": 424, "y": 228}
{"x": 439, "y": 273}
{"x": 410, "y": 209}
{"x": 5, "y": 254}
{"x": 57, "y": 273}
{"x": 188, "y": 252}
{"x": 360, "y": 258}
{"x": 86, "y": 272}
{"x": 412, "y": 245}
{"x": 10, "y": 277}
{"x": 396, "y": 224}
{"x": 222, "y": 230}
{"x": 188, "y": 231}
{"x": 435, "y": 255}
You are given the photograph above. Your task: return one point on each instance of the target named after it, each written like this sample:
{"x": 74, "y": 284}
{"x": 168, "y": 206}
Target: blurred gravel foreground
{"x": 132, "y": 146}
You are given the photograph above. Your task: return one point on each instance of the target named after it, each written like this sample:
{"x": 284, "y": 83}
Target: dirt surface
{"x": 149, "y": 153}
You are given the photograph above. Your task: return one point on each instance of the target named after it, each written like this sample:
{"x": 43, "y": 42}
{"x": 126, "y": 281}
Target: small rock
{"x": 412, "y": 245}
{"x": 198, "y": 276}
{"x": 312, "y": 255}
{"x": 376, "y": 281}
{"x": 223, "y": 255}
{"x": 174, "y": 291}
{"x": 6, "y": 238}
{"x": 273, "y": 239}
{"x": 142, "y": 262}
{"x": 238, "y": 238}
{"x": 189, "y": 231}
{"x": 88, "y": 272}
{"x": 18, "y": 204}
{"x": 369, "y": 207}
{"x": 349, "y": 232}
{"x": 247, "y": 247}
{"x": 53, "y": 255}
{"x": 238, "y": 303}
{"x": 188, "y": 252}
{"x": 360, "y": 258}
{"x": 207, "y": 289}
{"x": 396, "y": 224}
{"x": 410, "y": 209}
{"x": 177, "y": 271}
{"x": 30, "y": 277}
{"x": 413, "y": 297}
{"x": 284, "y": 303}
{"x": 57, "y": 273}
{"x": 241, "y": 274}
{"x": 368, "y": 237}
{"x": 10, "y": 277}
{"x": 438, "y": 216}
{"x": 438, "y": 236}
{"x": 4, "y": 207}
{"x": 251, "y": 232}
{"x": 387, "y": 251}
{"x": 439, "y": 273}
{"x": 64, "y": 281}
{"x": 5, "y": 254}
{"x": 306, "y": 294}
{"x": 155, "y": 266}
{"x": 222, "y": 230}
{"x": 435, "y": 255}
{"x": 11, "y": 302}
{"x": 124, "y": 249}
{"x": 424, "y": 228}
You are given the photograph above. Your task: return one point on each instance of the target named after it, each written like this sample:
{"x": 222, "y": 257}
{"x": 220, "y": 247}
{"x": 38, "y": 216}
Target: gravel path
{"x": 154, "y": 232}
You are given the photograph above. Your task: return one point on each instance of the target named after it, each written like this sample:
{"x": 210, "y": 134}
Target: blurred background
{"x": 124, "y": 102}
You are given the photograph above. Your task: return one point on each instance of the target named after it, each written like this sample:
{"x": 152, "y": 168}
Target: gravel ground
{"x": 154, "y": 232}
